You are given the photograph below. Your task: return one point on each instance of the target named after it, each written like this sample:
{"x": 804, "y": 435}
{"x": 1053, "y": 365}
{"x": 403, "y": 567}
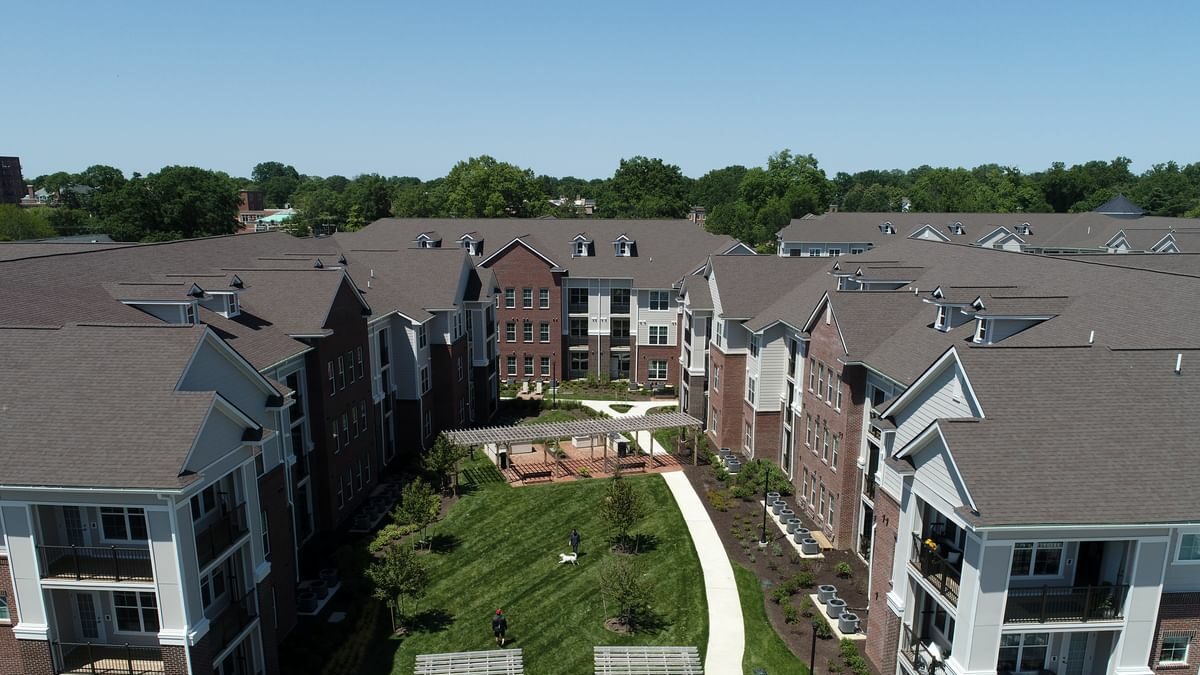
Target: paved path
{"x": 644, "y": 438}
{"x": 726, "y": 630}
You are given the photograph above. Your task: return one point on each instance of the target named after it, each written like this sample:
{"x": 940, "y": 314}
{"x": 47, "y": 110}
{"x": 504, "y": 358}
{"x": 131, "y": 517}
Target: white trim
{"x": 923, "y": 379}
{"x": 517, "y": 240}
{"x": 917, "y": 444}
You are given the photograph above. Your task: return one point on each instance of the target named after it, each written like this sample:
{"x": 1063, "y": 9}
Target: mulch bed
{"x": 773, "y": 570}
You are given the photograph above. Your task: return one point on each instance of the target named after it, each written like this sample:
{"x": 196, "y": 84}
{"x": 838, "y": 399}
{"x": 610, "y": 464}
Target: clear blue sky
{"x": 407, "y": 88}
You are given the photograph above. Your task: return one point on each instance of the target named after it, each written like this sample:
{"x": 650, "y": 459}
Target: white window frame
{"x": 510, "y": 365}
{"x": 5, "y": 610}
{"x": 751, "y": 386}
{"x": 1034, "y": 546}
{"x": 1179, "y": 549}
{"x": 814, "y": 253}
{"x": 665, "y": 334}
{"x": 833, "y": 457}
{"x": 510, "y": 298}
{"x": 526, "y": 331}
{"x": 544, "y": 332}
{"x": 140, "y": 597}
{"x": 657, "y": 369}
{"x": 941, "y": 321}
{"x": 1187, "y": 643}
{"x": 510, "y": 331}
{"x": 543, "y": 298}
{"x": 527, "y": 369}
{"x": 425, "y": 380}
{"x": 422, "y": 336}
{"x": 1021, "y": 646}
{"x": 544, "y": 363}
{"x": 658, "y": 301}
{"x": 982, "y": 328}
{"x": 526, "y": 298}
{"x": 834, "y": 252}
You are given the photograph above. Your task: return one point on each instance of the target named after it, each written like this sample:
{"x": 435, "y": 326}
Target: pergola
{"x": 491, "y": 662}
{"x": 647, "y": 661}
{"x": 506, "y": 436}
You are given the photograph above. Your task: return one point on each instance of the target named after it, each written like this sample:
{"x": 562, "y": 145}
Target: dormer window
{"x": 623, "y": 247}
{"x": 887, "y": 228}
{"x": 957, "y": 228}
{"x": 581, "y": 247}
{"x": 473, "y": 248}
{"x": 1023, "y": 229}
{"x": 189, "y": 313}
{"x": 942, "y": 321}
{"x": 428, "y": 240}
{"x": 982, "y": 327}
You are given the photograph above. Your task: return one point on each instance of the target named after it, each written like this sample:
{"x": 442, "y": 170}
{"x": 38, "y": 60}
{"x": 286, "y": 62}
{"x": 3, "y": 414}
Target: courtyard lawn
{"x": 764, "y": 648}
{"x": 500, "y": 549}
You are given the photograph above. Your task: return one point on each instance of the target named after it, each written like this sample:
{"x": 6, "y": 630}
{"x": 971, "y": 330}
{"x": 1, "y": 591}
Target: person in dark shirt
{"x": 574, "y": 540}
{"x": 499, "y": 627}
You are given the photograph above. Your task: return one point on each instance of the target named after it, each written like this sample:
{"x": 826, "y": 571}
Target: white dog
{"x": 564, "y": 558}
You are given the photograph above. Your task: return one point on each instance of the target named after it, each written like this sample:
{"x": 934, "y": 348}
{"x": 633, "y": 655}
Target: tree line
{"x": 750, "y": 204}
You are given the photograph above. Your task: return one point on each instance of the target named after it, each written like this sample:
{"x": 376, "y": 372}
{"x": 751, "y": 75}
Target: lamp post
{"x": 762, "y": 540}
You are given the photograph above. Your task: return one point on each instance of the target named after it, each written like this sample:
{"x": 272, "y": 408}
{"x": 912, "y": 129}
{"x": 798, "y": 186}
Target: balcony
{"x": 111, "y": 659}
{"x": 1058, "y": 604}
{"x": 618, "y": 307}
{"x": 868, "y": 487}
{"x": 918, "y": 656}
{"x": 96, "y": 563}
{"x": 215, "y": 538}
{"x": 944, "y": 573}
{"x": 234, "y": 619}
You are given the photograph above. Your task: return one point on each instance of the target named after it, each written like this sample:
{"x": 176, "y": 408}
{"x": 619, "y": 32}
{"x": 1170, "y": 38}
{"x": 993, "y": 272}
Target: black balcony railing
{"x": 97, "y": 657}
{"x": 868, "y": 487}
{"x": 1052, "y": 604}
{"x": 864, "y": 546}
{"x": 215, "y": 538}
{"x": 937, "y": 570}
{"x": 620, "y": 307}
{"x": 96, "y": 563}
{"x": 917, "y": 655}
{"x": 233, "y": 620}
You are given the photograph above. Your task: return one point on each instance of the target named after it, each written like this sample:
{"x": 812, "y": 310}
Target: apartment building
{"x": 1117, "y": 226}
{"x": 150, "y": 546}
{"x": 1059, "y": 572}
{"x": 577, "y": 299}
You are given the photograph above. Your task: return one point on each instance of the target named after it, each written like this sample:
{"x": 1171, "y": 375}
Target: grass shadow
{"x": 635, "y": 544}
{"x": 444, "y": 542}
{"x": 433, "y": 620}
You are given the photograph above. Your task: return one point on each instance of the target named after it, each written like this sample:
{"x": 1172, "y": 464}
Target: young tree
{"x": 442, "y": 460}
{"x": 398, "y": 576}
{"x": 419, "y": 506}
{"x": 623, "y": 583}
{"x": 622, "y": 508}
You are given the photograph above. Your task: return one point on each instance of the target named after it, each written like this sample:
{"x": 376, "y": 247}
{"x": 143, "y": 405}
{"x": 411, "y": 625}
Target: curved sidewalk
{"x": 726, "y": 630}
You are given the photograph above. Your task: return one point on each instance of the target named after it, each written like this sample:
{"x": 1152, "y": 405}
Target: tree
{"x": 17, "y": 224}
{"x": 369, "y": 198}
{"x": 442, "y": 459}
{"x": 622, "y": 508}
{"x": 623, "y": 583}
{"x": 399, "y": 575}
{"x": 319, "y": 204}
{"x": 646, "y": 188}
{"x": 482, "y": 187}
{"x": 277, "y": 181}
{"x": 194, "y": 202}
{"x": 419, "y": 506}
{"x": 719, "y": 186}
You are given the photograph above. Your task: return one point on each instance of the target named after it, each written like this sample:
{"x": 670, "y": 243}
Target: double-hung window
{"x": 658, "y": 335}
{"x": 543, "y": 298}
{"x": 341, "y": 372}
{"x": 135, "y": 612}
{"x": 213, "y": 586}
{"x": 1174, "y": 648}
{"x": 510, "y": 298}
{"x": 528, "y": 366}
{"x": 1022, "y": 652}
{"x": 829, "y": 388}
{"x": 660, "y": 300}
{"x": 122, "y": 524}
{"x": 808, "y": 430}
{"x": 332, "y": 379}
{"x": 510, "y": 365}
{"x": 510, "y": 331}
{"x": 1189, "y": 548}
{"x": 1032, "y": 559}
{"x": 812, "y": 374}
{"x": 4, "y": 613}
{"x": 527, "y": 331}
{"x": 833, "y": 458}
{"x": 527, "y": 298}
{"x": 544, "y": 332}
{"x": 751, "y": 384}
{"x": 658, "y": 369}
{"x": 424, "y": 379}
{"x": 350, "y": 363}
{"x": 820, "y": 380}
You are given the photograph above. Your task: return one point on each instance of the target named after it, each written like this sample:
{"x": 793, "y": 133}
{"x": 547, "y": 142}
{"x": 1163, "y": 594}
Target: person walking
{"x": 499, "y": 627}
{"x": 574, "y": 541}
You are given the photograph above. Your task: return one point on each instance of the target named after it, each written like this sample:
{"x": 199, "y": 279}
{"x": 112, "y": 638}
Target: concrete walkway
{"x": 726, "y": 630}
{"x": 644, "y": 438}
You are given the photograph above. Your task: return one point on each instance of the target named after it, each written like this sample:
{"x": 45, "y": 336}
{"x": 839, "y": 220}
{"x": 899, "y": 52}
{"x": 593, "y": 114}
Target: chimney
{"x": 29, "y": 191}
{"x": 833, "y": 208}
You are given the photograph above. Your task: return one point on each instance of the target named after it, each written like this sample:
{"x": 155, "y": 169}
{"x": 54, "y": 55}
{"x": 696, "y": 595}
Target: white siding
{"x": 937, "y": 400}
{"x": 936, "y": 481}
{"x": 645, "y": 317}
{"x": 772, "y": 368}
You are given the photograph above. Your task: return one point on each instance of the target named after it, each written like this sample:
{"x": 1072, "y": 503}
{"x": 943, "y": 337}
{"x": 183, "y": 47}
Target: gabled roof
{"x": 928, "y": 231}
{"x": 1119, "y": 206}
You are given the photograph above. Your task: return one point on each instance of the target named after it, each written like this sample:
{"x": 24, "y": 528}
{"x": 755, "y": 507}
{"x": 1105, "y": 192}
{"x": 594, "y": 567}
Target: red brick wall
{"x": 175, "y": 661}
{"x": 696, "y": 400}
{"x": 273, "y": 498}
{"x": 519, "y": 268}
{"x": 1178, "y": 612}
{"x": 448, "y": 390}
{"x": 768, "y": 433}
{"x": 11, "y": 662}
{"x": 883, "y": 626}
{"x": 657, "y": 352}
{"x": 727, "y": 398}
{"x": 826, "y": 347}
{"x": 35, "y": 657}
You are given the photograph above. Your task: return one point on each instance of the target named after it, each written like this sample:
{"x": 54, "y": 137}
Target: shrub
{"x": 772, "y": 565}
{"x": 806, "y": 607}
{"x": 843, "y": 570}
{"x": 854, "y": 661}
{"x": 821, "y": 627}
{"x": 804, "y": 580}
{"x": 719, "y": 499}
{"x": 749, "y": 481}
{"x": 794, "y": 557}
{"x": 389, "y": 535}
{"x": 832, "y": 666}
{"x": 777, "y": 550}
{"x": 791, "y": 614}
{"x": 584, "y": 472}
{"x": 780, "y": 595}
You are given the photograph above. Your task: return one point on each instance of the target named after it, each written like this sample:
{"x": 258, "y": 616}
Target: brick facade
{"x": 696, "y": 400}
{"x": 10, "y": 652}
{"x": 768, "y": 433}
{"x": 883, "y": 626}
{"x": 725, "y": 398}
{"x": 277, "y": 593}
{"x": 519, "y": 268}
{"x": 175, "y": 660}
{"x": 36, "y": 658}
{"x": 647, "y": 353}
{"x": 1177, "y": 613}
{"x": 450, "y": 392}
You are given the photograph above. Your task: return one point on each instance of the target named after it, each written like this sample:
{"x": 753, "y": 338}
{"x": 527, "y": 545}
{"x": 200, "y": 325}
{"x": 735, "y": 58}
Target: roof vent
{"x": 342, "y": 258}
{"x": 836, "y": 267}
{"x": 195, "y": 291}
{"x": 1179, "y": 363}
{"x": 937, "y": 293}
{"x": 318, "y": 264}
{"x": 236, "y": 282}
{"x": 1092, "y": 338}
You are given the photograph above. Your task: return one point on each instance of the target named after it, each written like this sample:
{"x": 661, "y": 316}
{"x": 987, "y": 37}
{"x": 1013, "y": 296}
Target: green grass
{"x": 764, "y": 648}
{"x": 620, "y": 407}
{"x": 505, "y": 554}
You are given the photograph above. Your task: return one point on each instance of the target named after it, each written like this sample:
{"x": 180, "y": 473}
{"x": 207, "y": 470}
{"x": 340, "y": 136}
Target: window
{"x": 825, "y": 441}
{"x": 820, "y": 380}
{"x": 837, "y": 403}
{"x": 510, "y": 365}
{"x": 362, "y": 415}
{"x": 350, "y": 363}
{"x": 835, "y": 251}
{"x": 337, "y": 439}
{"x": 4, "y": 614}
{"x": 754, "y": 346}
{"x": 341, "y": 373}
{"x": 578, "y": 297}
{"x": 812, "y": 494}
{"x": 658, "y": 369}
{"x": 527, "y": 298}
{"x": 354, "y": 422}
{"x": 579, "y": 361}
{"x": 544, "y": 332}
{"x": 1022, "y": 652}
{"x": 189, "y": 314}
{"x": 510, "y": 298}
{"x": 829, "y": 385}
{"x": 812, "y": 374}
{"x": 747, "y": 436}
{"x": 527, "y": 331}
{"x": 581, "y": 249}
{"x": 623, "y": 249}
{"x": 1174, "y": 649}
{"x": 1189, "y": 548}
{"x": 345, "y": 429}
{"x": 620, "y": 300}
{"x": 424, "y": 379}
{"x": 1043, "y": 558}
{"x": 332, "y": 380}
{"x": 751, "y": 384}
{"x": 367, "y": 468}
{"x": 422, "y": 337}
{"x": 658, "y": 335}
{"x": 808, "y": 430}
{"x": 121, "y": 524}
{"x": 619, "y": 328}
{"x": 510, "y": 331}
{"x": 428, "y": 423}
{"x": 821, "y": 502}
{"x": 804, "y": 486}
{"x": 545, "y": 364}
{"x": 717, "y": 378}
{"x": 829, "y": 522}
{"x": 266, "y": 535}
{"x": 833, "y": 458}
{"x": 981, "y": 330}
{"x": 543, "y": 298}
{"x": 206, "y": 502}
{"x": 814, "y": 253}
{"x": 528, "y": 366}
{"x": 660, "y": 300}
{"x": 855, "y": 250}
{"x": 579, "y": 328}
{"x": 358, "y": 365}
{"x": 940, "y": 322}
{"x": 358, "y": 478}
{"x": 135, "y": 612}
{"x": 459, "y": 367}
